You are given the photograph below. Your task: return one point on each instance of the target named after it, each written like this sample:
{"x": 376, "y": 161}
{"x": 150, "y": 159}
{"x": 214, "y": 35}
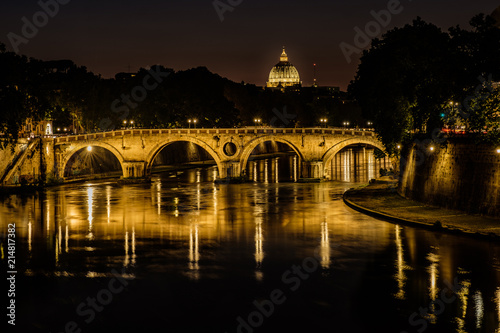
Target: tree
{"x": 406, "y": 79}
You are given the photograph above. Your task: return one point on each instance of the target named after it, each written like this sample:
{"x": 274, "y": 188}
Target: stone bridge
{"x": 136, "y": 149}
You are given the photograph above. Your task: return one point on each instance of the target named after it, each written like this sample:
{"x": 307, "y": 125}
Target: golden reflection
{"x": 276, "y": 170}
{"x": 295, "y": 172}
{"x": 433, "y": 289}
{"x": 478, "y": 307}
{"x": 496, "y": 299}
{"x": 133, "y": 247}
{"x": 158, "y": 197}
{"x": 266, "y": 172}
{"x": 254, "y": 171}
{"x": 371, "y": 169}
{"x": 56, "y": 247}
{"x": 346, "y": 165}
{"x": 66, "y": 238}
{"x": 126, "y": 260}
{"x": 108, "y": 201}
{"x": 198, "y": 196}
{"x": 90, "y": 210}
{"x": 463, "y": 294}
{"x": 194, "y": 252}
{"x": 59, "y": 240}
{"x": 400, "y": 264}
{"x": 433, "y": 274}
{"x": 48, "y": 218}
{"x": 29, "y": 237}
{"x": 325, "y": 246}
{"x": 259, "y": 238}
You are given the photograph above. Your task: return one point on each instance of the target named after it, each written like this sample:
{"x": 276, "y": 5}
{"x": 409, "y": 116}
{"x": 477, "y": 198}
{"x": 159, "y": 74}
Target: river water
{"x": 183, "y": 254}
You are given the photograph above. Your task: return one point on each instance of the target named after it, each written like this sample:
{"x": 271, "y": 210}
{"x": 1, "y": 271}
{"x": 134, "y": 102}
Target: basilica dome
{"x": 284, "y": 74}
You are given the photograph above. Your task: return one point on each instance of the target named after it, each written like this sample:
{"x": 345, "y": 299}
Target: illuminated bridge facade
{"x": 136, "y": 149}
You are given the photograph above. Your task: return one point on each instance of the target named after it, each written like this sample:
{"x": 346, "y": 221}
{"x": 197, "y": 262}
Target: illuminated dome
{"x": 284, "y": 74}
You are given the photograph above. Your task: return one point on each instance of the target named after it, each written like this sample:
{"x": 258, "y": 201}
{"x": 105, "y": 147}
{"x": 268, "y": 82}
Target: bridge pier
{"x": 312, "y": 169}
{"x": 230, "y": 169}
{"x": 134, "y": 169}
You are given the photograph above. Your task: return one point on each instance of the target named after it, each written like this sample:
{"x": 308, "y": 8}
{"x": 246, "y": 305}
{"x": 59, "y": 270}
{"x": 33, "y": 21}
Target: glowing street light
{"x": 399, "y": 146}
{"x": 431, "y": 148}
{"x": 323, "y": 121}
{"x": 189, "y": 122}
{"x": 498, "y": 150}
{"x": 346, "y": 124}
{"x": 89, "y": 149}
{"x": 194, "y": 121}
{"x": 369, "y": 124}
{"x": 257, "y": 121}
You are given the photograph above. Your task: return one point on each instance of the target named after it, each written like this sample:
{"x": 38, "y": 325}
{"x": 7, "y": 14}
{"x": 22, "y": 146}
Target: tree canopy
{"x": 408, "y": 78}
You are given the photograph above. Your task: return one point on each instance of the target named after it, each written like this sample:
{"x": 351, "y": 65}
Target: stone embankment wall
{"x": 460, "y": 175}
{"x": 27, "y": 161}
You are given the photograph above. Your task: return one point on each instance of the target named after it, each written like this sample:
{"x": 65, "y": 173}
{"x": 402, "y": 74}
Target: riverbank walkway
{"x": 381, "y": 200}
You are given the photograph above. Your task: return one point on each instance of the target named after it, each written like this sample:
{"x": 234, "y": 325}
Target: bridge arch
{"x": 66, "y": 158}
{"x": 251, "y": 145}
{"x": 330, "y": 154}
{"x": 153, "y": 153}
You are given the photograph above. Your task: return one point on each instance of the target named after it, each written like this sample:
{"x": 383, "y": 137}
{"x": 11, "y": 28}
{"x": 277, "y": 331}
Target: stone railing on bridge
{"x": 236, "y": 131}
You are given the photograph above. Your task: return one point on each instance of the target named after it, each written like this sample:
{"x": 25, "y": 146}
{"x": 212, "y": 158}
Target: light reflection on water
{"x": 198, "y": 231}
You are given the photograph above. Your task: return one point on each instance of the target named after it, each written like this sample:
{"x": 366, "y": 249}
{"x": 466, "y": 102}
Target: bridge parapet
{"x": 214, "y": 131}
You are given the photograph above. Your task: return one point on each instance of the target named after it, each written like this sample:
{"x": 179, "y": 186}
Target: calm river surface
{"x": 183, "y": 254}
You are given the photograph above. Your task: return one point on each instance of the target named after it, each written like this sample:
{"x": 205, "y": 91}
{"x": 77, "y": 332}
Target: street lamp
{"x": 346, "y": 124}
{"x": 189, "y": 121}
{"x": 323, "y": 121}
{"x": 132, "y": 123}
{"x": 498, "y": 150}
{"x": 431, "y": 148}
{"x": 257, "y": 121}
{"x": 125, "y": 124}
{"x": 194, "y": 121}
{"x": 369, "y": 124}
{"x": 89, "y": 149}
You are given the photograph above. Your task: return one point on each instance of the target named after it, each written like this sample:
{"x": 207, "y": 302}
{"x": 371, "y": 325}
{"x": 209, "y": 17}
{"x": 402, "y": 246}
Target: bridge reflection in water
{"x": 355, "y": 164}
{"x": 186, "y": 239}
{"x": 351, "y": 164}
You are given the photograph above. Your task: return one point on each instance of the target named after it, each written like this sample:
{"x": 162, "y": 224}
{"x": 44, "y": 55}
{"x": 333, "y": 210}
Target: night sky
{"x": 110, "y": 36}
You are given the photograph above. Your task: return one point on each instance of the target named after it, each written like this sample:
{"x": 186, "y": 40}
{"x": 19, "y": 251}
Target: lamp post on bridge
{"x": 194, "y": 121}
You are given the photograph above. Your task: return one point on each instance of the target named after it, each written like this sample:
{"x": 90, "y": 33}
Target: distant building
{"x": 32, "y": 128}
{"x": 283, "y": 74}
